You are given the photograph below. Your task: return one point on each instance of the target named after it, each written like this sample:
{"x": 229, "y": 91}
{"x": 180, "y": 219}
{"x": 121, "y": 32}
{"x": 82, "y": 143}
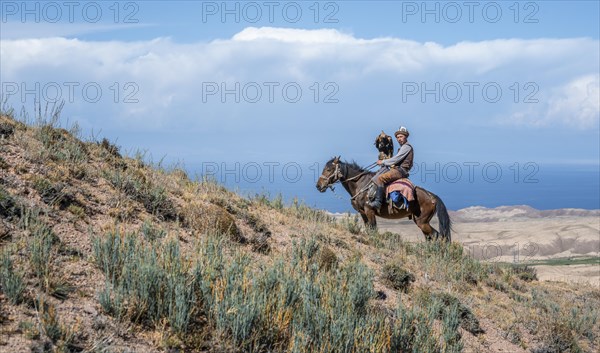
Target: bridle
{"x": 338, "y": 175}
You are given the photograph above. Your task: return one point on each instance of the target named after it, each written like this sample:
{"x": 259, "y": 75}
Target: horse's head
{"x": 330, "y": 175}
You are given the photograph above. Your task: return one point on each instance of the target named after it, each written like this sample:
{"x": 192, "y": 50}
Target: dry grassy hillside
{"x": 106, "y": 253}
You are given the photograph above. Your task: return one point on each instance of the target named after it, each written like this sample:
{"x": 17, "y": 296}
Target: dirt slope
{"x": 101, "y": 252}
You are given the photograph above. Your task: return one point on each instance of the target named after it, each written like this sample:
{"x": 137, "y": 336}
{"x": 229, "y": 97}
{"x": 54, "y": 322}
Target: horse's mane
{"x": 352, "y": 165}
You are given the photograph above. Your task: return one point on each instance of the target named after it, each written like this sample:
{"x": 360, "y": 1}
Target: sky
{"x": 210, "y": 83}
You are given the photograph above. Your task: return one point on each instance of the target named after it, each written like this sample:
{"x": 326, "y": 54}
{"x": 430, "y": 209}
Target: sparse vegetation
{"x": 9, "y": 207}
{"x": 135, "y": 184}
{"x": 61, "y": 335}
{"x": 40, "y": 252}
{"x": 566, "y": 261}
{"x": 449, "y": 305}
{"x": 145, "y": 283}
{"x": 297, "y": 303}
{"x": 303, "y": 212}
{"x": 104, "y": 252}
{"x": 525, "y": 273}
{"x": 111, "y": 148}
{"x": 351, "y": 223}
{"x": 54, "y": 193}
{"x": 77, "y": 211}
{"x": 6, "y": 130}
{"x": 397, "y": 277}
{"x": 151, "y": 232}
{"x": 11, "y": 281}
{"x": 448, "y": 262}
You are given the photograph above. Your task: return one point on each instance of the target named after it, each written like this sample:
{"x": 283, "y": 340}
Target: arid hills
{"x": 103, "y": 252}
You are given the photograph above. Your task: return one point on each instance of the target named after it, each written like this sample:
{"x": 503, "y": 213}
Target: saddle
{"x": 399, "y": 194}
{"x": 396, "y": 193}
{"x": 404, "y": 186}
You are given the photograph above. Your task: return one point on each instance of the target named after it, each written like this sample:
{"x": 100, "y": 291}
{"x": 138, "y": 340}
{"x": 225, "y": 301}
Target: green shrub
{"x": 351, "y": 223}
{"x": 54, "y": 193}
{"x": 558, "y": 339}
{"x": 413, "y": 330}
{"x": 49, "y": 320}
{"x": 6, "y": 130}
{"x": 450, "y": 305}
{"x": 152, "y": 233}
{"x": 327, "y": 259}
{"x": 277, "y": 202}
{"x": 77, "y": 211}
{"x": 61, "y": 335}
{"x": 30, "y": 330}
{"x": 448, "y": 262}
{"x": 497, "y": 285}
{"x": 582, "y": 320}
{"x": 563, "y": 325}
{"x": 11, "y": 281}
{"x": 524, "y": 272}
{"x": 153, "y": 197}
{"x": 302, "y": 211}
{"x": 109, "y": 147}
{"x": 397, "y": 277}
{"x": 145, "y": 283}
{"x": 59, "y": 144}
{"x": 40, "y": 252}
{"x": 264, "y": 198}
{"x": 294, "y": 303}
{"x": 9, "y": 207}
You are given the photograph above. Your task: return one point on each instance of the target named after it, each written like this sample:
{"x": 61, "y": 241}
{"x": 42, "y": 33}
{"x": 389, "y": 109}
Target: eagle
{"x": 385, "y": 146}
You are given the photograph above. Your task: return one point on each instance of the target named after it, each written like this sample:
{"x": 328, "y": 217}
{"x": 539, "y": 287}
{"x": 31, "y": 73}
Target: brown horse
{"x": 356, "y": 180}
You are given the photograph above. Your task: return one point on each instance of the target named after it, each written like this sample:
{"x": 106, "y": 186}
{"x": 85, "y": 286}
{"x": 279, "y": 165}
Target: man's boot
{"x": 379, "y": 195}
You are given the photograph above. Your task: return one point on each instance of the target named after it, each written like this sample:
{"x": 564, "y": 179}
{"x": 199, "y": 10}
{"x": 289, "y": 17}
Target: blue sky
{"x": 473, "y": 81}
{"x": 190, "y": 21}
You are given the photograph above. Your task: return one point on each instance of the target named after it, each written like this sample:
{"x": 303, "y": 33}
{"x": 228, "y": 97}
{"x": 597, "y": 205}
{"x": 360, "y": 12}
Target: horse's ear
{"x": 336, "y": 159}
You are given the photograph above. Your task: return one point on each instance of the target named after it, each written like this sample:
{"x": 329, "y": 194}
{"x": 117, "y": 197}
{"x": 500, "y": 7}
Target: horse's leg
{"x": 364, "y": 218}
{"x": 371, "y": 219}
{"x": 427, "y": 209}
{"x": 428, "y": 230}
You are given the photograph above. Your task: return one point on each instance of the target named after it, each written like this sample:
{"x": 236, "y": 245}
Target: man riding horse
{"x": 394, "y": 168}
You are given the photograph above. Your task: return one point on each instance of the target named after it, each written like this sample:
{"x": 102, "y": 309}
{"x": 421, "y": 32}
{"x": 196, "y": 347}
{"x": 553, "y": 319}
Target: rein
{"x": 360, "y": 191}
{"x": 339, "y": 174}
{"x": 368, "y": 168}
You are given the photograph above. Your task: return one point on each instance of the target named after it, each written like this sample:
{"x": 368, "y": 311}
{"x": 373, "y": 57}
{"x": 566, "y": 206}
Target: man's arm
{"x": 402, "y": 153}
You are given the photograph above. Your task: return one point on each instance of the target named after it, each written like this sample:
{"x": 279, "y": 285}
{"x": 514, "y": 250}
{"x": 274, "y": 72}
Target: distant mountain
{"x": 484, "y": 214}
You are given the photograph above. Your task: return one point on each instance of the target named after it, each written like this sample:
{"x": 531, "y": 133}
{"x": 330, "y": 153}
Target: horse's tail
{"x": 444, "y": 219}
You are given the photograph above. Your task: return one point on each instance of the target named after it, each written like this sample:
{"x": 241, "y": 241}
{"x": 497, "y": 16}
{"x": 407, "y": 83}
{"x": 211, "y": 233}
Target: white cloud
{"x": 575, "y": 104}
{"x": 368, "y": 72}
{"x": 292, "y": 35}
{"x": 308, "y": 49}
{"x": 578, "y": 102}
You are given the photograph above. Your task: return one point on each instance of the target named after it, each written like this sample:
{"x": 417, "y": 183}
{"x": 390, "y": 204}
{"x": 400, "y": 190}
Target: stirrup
{"x": 375, "y": 204}
{"x": 399, "y": 206}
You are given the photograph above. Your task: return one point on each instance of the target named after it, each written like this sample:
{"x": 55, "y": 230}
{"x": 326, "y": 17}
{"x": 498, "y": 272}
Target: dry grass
{"x": 106, "y": 252}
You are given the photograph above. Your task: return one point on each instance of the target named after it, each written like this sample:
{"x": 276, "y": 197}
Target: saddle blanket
{"x": 404, "y": 186}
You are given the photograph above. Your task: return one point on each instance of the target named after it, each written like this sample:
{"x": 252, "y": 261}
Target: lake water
{"x": 459, "y": 185}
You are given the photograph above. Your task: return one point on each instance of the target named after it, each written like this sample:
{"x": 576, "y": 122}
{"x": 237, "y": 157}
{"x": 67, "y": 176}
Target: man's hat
{"x": 401, "y": 131}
